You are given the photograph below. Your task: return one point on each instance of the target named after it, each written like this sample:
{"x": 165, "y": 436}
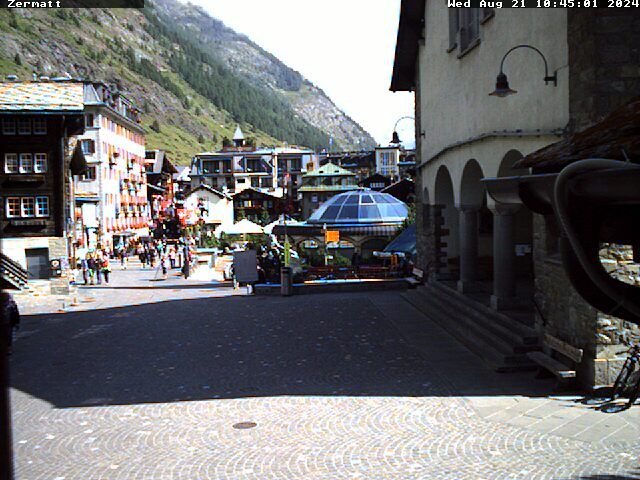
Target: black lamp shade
{"x": 395, "y": 138}
{"x": 502, "y": 86}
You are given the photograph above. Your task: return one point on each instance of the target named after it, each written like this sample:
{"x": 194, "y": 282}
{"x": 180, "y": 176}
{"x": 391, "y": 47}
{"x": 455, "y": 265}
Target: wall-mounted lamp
{"x": 395, "y": 138}
{"x": 502, "y": 83}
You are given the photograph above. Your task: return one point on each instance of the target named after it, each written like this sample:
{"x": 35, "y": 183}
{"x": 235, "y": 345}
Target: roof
{"x": 12, "y": 275}
{"x": 255, "y": 190}
{"x": 616, "y": 137}
{"x": 362, "y": 206}
{"x": 208, "y": 189}
{"x": 42, "y": 96}
{"x": 327, "y": 170}
{"x": 407, "y": 43}
{"x": 405, "y": 242}
{"x": 160, "y": 162}
{"x": 328, "y": 188}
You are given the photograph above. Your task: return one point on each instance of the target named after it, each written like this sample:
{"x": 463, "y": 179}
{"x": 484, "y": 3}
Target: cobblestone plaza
{"x": 337, "y": 385}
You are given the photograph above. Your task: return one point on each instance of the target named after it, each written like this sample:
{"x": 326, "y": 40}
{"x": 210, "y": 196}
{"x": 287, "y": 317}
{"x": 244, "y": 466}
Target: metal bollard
{"x": 286, "y": 281}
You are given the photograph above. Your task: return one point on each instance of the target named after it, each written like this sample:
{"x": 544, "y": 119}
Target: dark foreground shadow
{"x": 337, "y": 344}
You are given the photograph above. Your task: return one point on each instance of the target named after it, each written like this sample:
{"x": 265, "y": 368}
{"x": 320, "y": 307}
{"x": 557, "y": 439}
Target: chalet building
{"x": 376, "y": 182}
{"x": 404, "y": 190}
{"x": 320, "y": 185}
{"x": 112, "y": 194}
{"x": 207, "y": 207}
{"x": 38, "y": 121}
{"x": 571, "y": 67}
{"x": 362, "y": 164}
{"x": 161, "y": 193}
{"x": 277, "y": 171}
{"x": 257, "y": 206}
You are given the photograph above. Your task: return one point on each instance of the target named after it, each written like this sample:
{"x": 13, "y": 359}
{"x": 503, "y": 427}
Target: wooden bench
{"x": 562, "y": 371}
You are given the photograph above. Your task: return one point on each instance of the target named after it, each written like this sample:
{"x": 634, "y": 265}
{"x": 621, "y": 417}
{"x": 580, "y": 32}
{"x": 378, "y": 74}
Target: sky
{"x": 345, "y": 47}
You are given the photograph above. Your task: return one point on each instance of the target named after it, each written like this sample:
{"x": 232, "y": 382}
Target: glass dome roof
{"x": 362, "y": 206}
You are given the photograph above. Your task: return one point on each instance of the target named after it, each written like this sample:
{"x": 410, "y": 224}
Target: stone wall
{"x": 565, "y": 315}
{"x": 604, "y": 54}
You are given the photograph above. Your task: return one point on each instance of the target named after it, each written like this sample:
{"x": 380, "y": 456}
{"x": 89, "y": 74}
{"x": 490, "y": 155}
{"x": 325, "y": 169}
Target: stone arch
{"x": 446, "y": 225}
{"x": 425, "y": 196}
{"x": 506, "y": 168}
{"x": 472, "y": 191}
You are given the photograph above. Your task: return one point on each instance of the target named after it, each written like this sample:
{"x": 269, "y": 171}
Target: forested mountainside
{"x": 193, "y": 77}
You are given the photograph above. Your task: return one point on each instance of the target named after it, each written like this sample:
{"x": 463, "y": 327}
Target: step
{"x": 488, "y": 322}
{"x": 478, "y": 328}
{"x": 495, "y": 358}
{"x": 528, "y": 335}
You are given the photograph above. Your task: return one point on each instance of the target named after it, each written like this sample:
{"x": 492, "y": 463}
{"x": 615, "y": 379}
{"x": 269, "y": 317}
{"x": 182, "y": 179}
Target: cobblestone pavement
{"x": 134, "y": 286}
{"x": 338, "y": 385}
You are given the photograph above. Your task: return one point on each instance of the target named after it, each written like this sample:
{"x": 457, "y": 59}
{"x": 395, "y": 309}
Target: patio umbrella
{"x": 243, "y": 227}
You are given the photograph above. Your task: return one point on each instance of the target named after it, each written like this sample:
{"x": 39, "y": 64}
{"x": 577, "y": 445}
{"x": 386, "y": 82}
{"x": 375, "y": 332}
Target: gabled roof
{"x": 409, "y": 35}
{"x": 329, "y": 170}
{"x": 42, "y": 96}
{"x": 617, "y": 137}
{"x": 255, "y": 190}
{"x": 208, "y": 189}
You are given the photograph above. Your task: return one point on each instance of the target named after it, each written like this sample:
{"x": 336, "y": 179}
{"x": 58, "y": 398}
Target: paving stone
{"x": 335, "y": 389}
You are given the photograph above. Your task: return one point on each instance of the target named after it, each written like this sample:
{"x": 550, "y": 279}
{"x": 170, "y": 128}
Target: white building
{"x": 208, "y": 205}
{"x": 111, "y": 197}
{"x": 387, "y": 161}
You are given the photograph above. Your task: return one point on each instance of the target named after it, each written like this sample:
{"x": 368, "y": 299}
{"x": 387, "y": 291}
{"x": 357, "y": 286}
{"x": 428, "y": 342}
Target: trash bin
{"x": 286, "y": 281}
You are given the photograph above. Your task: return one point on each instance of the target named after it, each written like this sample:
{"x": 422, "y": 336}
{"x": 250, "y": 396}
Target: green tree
{"x": 155, "y": 126}
{"x": 265, "y": 218}
{"x": 17, "y": 60}
{"x": 201, "y": 139}
{"x": 226, "y": 142}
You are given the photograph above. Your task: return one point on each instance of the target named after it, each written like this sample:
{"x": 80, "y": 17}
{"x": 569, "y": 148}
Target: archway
{"x": 474, "y": 255}
{"x": 445, "y": 218}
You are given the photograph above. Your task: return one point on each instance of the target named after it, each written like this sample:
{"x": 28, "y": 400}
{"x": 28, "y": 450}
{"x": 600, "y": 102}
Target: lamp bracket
{"x": 547, "y": 78}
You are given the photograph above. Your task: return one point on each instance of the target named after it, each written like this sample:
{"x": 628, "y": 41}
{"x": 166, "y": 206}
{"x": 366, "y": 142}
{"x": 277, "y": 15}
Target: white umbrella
{"x": 243, "y": 227}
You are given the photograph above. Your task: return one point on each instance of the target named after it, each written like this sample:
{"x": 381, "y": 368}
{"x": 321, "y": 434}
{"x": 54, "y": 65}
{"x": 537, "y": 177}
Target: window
{"x": 241, "y": 180}
{"x": 89, "y": 174}
{"x": 28, "y": 206}
{"x": 464, "y": 27}
{"x": 11, "y": 164}
{"x": 42, "y": 206}
{"x": 26, "y": 163}
{"x": 8, "y": 126}
{"x": 39, "y": 126}
{"x": 88, "y": 147}
{"x": 24, "y": 126}
{"x": 314, "y": 199}
{"x": 13, "y": 207}
{"x": 40, "y": 165}
{"x": 89, "y": 120}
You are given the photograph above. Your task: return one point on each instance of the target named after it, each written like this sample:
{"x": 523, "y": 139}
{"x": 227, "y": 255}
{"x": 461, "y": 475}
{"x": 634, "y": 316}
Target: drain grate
{"x": 244, "y": 425}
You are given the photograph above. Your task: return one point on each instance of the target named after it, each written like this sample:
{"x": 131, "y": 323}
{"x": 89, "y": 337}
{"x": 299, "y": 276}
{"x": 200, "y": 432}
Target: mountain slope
{"x": 181, "y": 83}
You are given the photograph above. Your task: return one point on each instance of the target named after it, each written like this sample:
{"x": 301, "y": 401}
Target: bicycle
{"x": 623, "y": 383}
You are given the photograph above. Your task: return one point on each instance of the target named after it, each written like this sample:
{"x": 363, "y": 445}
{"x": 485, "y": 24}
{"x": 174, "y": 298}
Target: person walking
{"x": 10, "y": 318}
{"x": 106, "y": 268}
{"x": 172, "y": 257}
{"x": 123, "y": 257}
{"x": 91, "y": 268}
{"x": 142, "y": 254}
{"x": 85, "y": 270}
{"x": 98, "y": 267}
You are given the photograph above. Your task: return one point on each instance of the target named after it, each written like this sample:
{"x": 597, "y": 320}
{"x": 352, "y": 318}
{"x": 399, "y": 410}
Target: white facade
{"x": 212, "y": 207}
{"x": 116, "y": 183}
{"x": 387, "y": 159}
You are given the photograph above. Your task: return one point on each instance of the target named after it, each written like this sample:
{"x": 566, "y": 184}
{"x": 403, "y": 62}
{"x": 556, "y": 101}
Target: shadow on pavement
{"x": 338, "y": 344}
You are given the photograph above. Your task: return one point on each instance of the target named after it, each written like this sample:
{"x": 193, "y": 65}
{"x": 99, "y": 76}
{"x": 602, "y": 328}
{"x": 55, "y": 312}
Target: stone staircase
{"x": 501, "y": 341}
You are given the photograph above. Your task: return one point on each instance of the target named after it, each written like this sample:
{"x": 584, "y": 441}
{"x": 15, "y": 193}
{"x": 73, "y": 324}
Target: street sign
{"x": 245, "y": 266}
{"x": 331, "y": 236}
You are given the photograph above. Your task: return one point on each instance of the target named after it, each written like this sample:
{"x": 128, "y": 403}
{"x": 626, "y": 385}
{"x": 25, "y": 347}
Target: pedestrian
{"x": 10, "y": 318}
{"x": 142, "y": 254}
{"x": 106, "y": 268}
{"x": 91, "y": 268}
{"x": 163, "y": 265}
{"x": 85, "y": 270}
{"x": 98, "y": 266}
{"x": 172, "y": 257}
{"x": 123, "y": 257}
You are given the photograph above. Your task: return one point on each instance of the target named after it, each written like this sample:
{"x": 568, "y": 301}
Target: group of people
{"x": 95, "y": 267}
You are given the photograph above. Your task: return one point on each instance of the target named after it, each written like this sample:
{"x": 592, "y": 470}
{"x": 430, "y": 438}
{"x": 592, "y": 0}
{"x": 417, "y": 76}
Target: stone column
{"x": 504, "y": 257}
{"x": 468, "y": 228}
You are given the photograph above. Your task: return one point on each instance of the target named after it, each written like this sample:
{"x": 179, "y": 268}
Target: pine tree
{"x": 200, "y": 139}
{"x": 155, "y": 126}
{"x": 17, "y": 60}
